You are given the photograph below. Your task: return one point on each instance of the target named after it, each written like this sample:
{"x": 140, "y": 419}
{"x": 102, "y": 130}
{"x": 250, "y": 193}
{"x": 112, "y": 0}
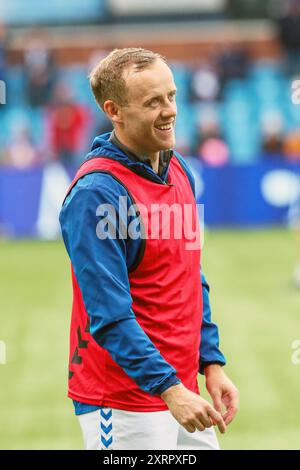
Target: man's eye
{"x": 154, "y": 102}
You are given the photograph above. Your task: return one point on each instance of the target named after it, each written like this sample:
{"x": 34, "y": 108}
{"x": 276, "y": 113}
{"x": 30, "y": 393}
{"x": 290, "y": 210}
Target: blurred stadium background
{"x": 234, "y": 63}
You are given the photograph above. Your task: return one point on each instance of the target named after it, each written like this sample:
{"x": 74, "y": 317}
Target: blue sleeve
{"x": 209, "y": 347}
{"x": 101, "y": 268}
{"x": 187, "y": 171}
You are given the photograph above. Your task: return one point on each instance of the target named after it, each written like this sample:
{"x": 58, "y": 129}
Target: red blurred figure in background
{"x": 68, "y": 123}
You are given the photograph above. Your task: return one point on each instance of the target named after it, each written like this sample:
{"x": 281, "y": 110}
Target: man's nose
{"x": 170, "y": 109}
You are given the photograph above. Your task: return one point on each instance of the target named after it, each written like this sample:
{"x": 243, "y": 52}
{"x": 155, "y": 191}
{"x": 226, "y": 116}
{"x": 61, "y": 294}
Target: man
{"x": 135, "y": 348}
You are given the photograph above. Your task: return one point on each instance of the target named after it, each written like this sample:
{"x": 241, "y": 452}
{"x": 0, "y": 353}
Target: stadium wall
{"x": 255, "y": 195}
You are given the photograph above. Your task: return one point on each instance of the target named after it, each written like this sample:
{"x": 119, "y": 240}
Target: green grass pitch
{"x": 253, "y": 302}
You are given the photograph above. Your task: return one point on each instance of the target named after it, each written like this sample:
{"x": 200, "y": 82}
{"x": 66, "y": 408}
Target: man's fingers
{"x": 205, "y": 420}
{"x": 190, "y": 427}
{"x": 218, "y": 404}
{"x": 200, "y": 426}
{"x": 232, "y": 405}
{"x": 229, "y": 415}
{"x": 197, "y": 424}
{"x": 217, "y": 419}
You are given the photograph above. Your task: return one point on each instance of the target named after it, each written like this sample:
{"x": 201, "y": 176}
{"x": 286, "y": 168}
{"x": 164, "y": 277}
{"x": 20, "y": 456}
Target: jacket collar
{"x": 164, "y": 155}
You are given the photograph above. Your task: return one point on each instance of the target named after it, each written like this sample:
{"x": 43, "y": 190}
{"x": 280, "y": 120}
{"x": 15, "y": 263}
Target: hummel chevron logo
{"x": 105, "y": 415}
{"x": 106, "y": 429}
{"x": 107, "y": 442}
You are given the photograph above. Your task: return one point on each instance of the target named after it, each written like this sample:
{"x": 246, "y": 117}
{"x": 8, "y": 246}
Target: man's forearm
{"x": 132, "y": 349}
{"x": 210, "y": 352}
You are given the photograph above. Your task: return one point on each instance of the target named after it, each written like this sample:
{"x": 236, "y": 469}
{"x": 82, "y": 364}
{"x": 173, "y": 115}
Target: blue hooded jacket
{"x": 106, "y": 271}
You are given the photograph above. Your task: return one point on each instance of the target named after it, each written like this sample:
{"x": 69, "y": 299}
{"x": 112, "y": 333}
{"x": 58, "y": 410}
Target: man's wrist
{"x": 167, "y": 383}
{"x": 212, "y": 368}
{"x": 170, "y": 392}
{"x": 220, "y": 361}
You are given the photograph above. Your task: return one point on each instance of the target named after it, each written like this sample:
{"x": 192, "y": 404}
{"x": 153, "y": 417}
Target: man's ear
{"x": 113, "y": 111}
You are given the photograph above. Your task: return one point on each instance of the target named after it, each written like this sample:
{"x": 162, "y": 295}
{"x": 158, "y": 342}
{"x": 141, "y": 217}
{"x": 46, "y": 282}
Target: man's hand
{"x": 222, "y": 391}
{"x": 190, "y": 410}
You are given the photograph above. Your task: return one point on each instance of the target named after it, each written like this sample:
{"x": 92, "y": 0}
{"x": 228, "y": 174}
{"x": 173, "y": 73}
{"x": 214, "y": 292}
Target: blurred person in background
{"x": 289, "y": 35}
{"x": 291, "y": 145}
{"x": 21, "y": 152}
{"x": 211, "y": 148}
{"x": 272, "y": 136}
{"x": 40, "y": 69}
{"x": 133, "y": 368}
{"x": 205, "y": 84}
{"x": 3, "y": 48}
{"x": 67, "y": 122}
{"x": 232, "y": 62}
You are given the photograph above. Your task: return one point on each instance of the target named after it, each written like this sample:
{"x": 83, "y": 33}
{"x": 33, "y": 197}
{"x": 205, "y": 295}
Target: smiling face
{"x": 146, "y": 123}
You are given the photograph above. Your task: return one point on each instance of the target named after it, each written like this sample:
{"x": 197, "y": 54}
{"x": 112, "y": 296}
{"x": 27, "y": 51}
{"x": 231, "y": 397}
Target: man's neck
{"x": 128, "y": 148}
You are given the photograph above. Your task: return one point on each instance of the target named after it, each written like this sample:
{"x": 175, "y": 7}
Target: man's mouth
{"x": 165, "y": 127}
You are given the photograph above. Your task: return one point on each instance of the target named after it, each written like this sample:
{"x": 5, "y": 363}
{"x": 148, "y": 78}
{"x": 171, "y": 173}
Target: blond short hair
{"x": 107, "y": 80}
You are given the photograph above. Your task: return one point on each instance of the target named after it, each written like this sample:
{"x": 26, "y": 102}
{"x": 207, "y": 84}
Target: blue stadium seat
{"x": 16, "y": 91}
{"x": 243, "y": 139}
{"x": 182, "y": 79}
{"x": 14, "y": 119}
{"x": 75, "y": 77}
{"x": 266, "y": 69}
